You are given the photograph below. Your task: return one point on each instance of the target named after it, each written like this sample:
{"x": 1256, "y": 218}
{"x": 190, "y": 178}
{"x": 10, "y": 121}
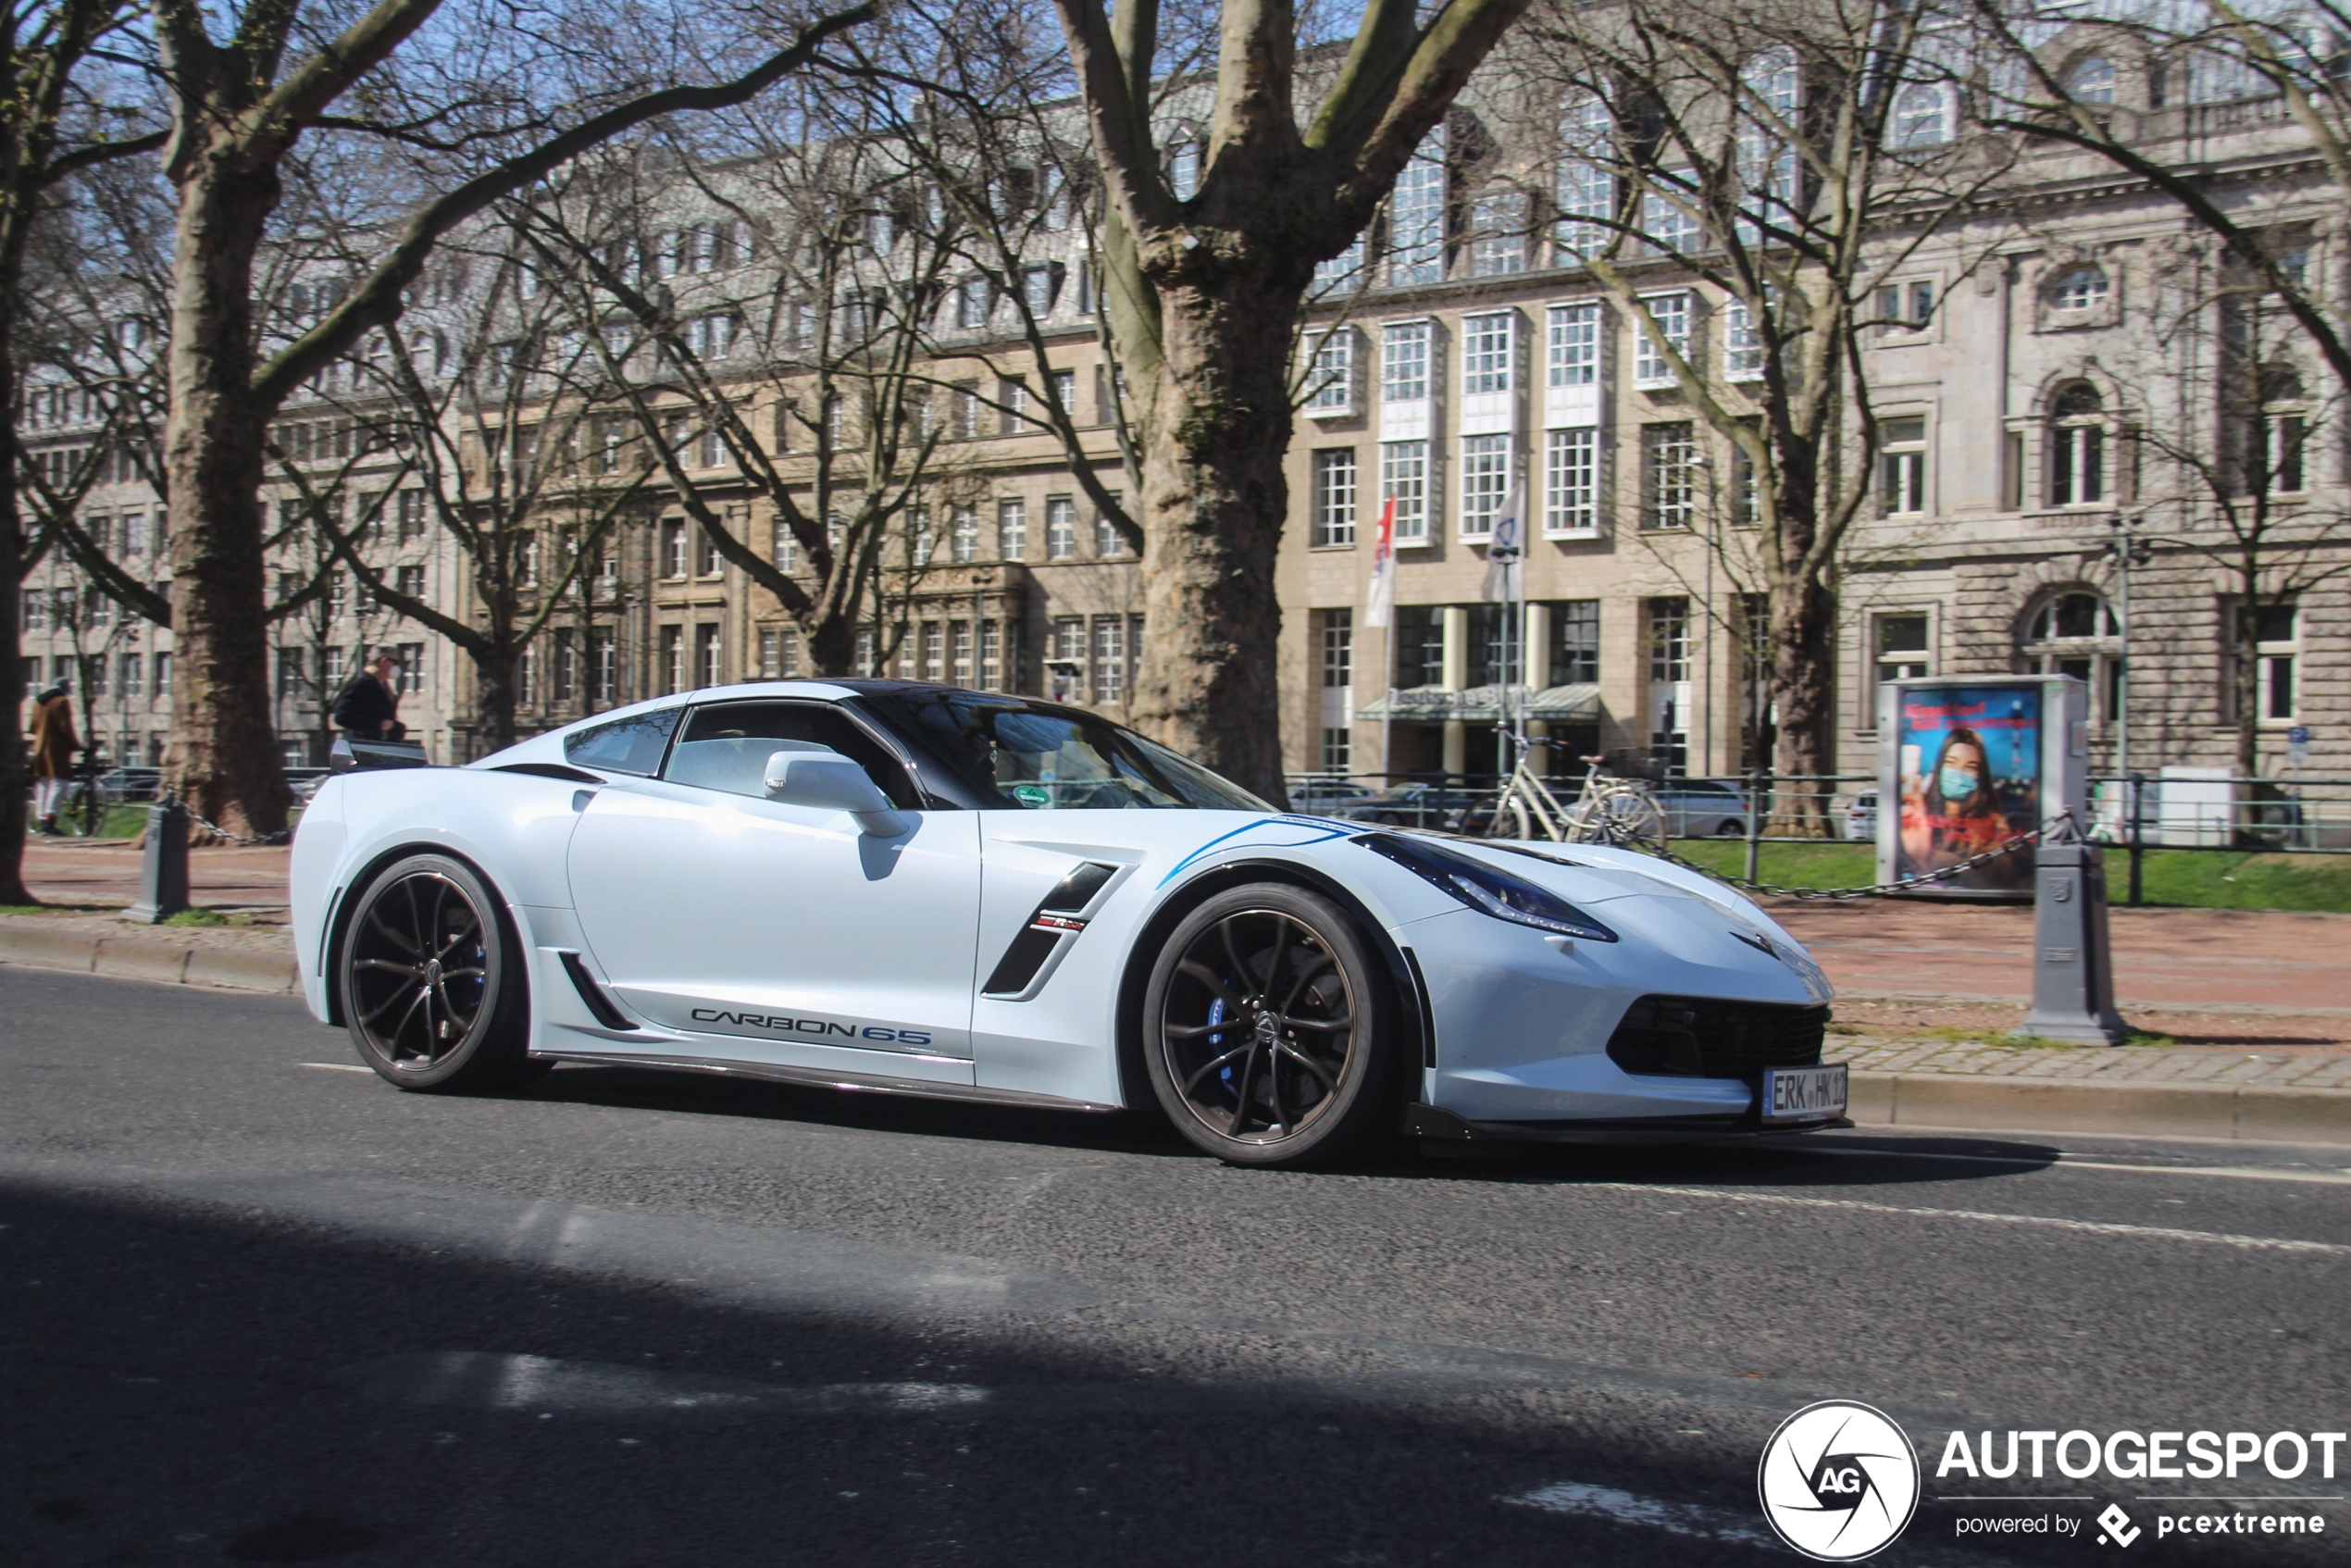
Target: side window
{"x": 625, "y": 745}
{"x": 726, "y": 747}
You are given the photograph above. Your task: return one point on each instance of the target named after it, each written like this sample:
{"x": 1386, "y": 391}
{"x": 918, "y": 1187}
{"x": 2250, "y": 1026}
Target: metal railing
{"x": 2216, "y": 810}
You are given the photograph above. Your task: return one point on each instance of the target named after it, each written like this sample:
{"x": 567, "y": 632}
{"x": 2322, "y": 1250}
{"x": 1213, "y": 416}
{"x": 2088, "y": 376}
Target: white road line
{"x": 336, "y": 1066}
{"x": 1626, "y": 1508}
{"x": 2090, "y": 1227}
{"x": 2073, "y": 1163}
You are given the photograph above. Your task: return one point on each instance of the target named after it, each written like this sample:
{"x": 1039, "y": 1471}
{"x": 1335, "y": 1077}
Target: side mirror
{"x": 832, "y": 783}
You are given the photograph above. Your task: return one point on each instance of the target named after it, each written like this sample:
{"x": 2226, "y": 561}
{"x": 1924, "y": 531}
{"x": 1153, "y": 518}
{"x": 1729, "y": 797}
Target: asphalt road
{"x": 263, "y": 1308}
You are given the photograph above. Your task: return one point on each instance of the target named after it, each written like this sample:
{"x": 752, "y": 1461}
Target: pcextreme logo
{"x": 1839, "y": 1481}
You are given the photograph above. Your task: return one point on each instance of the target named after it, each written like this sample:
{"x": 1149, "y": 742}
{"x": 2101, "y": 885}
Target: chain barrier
{"x": 283, "y": 835}
{"x": 2015, "y": 842}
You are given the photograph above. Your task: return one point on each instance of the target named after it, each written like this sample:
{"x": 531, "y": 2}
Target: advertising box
{"x": 1965, "y": 764}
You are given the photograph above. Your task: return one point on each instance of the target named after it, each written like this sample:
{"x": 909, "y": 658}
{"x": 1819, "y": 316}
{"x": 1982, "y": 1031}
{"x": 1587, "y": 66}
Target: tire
{"x": 432, "y": 984}
{"x": 1314, "y": 1072}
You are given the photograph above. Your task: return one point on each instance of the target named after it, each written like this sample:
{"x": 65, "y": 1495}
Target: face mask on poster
{"x": 1956, "y": 783}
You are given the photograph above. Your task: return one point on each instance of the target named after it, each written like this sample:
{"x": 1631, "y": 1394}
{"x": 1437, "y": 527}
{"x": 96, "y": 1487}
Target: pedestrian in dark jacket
{"x": 368, "y": 706}
{"x": 53, "y": 745}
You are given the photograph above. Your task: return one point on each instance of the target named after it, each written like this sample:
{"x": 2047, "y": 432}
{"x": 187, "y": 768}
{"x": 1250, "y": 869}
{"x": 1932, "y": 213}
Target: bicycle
{"x": 1609, "y": 810}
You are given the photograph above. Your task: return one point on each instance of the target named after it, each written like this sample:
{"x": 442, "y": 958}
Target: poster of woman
{"x": 1969, "y": 766}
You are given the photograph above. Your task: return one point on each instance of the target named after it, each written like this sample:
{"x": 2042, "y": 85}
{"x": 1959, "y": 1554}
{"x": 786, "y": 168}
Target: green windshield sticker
{"x": 1034, "y": 796}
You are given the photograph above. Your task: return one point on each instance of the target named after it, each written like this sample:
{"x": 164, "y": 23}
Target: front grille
{"x": 1698, "y": 1037}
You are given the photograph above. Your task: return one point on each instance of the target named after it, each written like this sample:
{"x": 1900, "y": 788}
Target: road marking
{"x": 2090, "y": 1227}
{"x": 2069, "y": 1162}
{"x": 336, "y": 1066}
{"x": 1628, "y": 1507}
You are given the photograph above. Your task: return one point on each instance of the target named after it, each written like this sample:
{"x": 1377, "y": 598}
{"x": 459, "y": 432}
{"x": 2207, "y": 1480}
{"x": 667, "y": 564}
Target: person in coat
{"x": 55, "y": 743}
{"x": 368, "y": 706}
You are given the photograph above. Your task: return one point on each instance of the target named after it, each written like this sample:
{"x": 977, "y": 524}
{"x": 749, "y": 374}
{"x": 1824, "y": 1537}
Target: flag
{"x": 1509, "y": 545}
{"x": 1380, "y": 608}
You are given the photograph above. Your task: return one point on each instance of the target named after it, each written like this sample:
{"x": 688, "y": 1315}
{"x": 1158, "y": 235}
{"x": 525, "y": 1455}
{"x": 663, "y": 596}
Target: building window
{"x": 1110, "y": 659}
{"x": 2079, "y": 290}
{"x": 410, "y": 580}
{"x": 974, "y": 298}
{"x": 1403, "y": 478}
{"x": 1922, "y": 116}
{"x": 2279, "y": 439}
{"x": 1108, "y": 543}
{"x": 711, "y": 566}
{"x": 1012, "y": 399}
{"x": 1903, "y": 307}
{"x": 1669, "y": 475}
{"x": 963, "y": 536}
{"x": 1574, "y": 345}
{"x": 1901, "y": 644}
{"x": 134, "y": 670}
{"x": 1497, "y": 234}
{"x": 290, "y": 672}
{"x": 1493, "y": 646}
{"x": 1901, "y": 467}
{"x": 673, "y": 550}
{"x": 1011, "y": 531}
{"x": 163, "y": 674}
{"x": 2076, "y": 634}
{"x": 964, "y": 401}
{"x": 1404, "y": 356}
{"x": 1668, "y": 220}
{"x": 934, "y": 651}
{"x": 706, "y": 666}
{"x": 1061, "y": 527}
{"x": 771, "y": 652}
{"x": 2077, "y": 447}
{"x": 2091, "y": 81}
{"x": 958, "y": 652}
{"x": 1489, "y": 345}
{"x": 1065, "y": 659}
{"x": 1183, "y": 169}
{"x": 1338, "y": 649}
{"x": 566, "y": 668}
{"x": 1486, "y": 482}
{"x": 1672, "y": 315}
{"x": 604, "y": 667}
{"x": 1335, "y": 496}
{"x": 1576, "y": 642}
{"x": 1668, "y": 641}
{"x": 1742, "y": 343}
{"x": 1416, "y": 217}
{"x": 1420, "y": 645}
{"x": 2268, "y": 635}
{"x": 673, "y": 660}
{"x": 1584, "y": 191}
{"x": 1746, "y": 482}
{"x": 1572, "y": 482}
{"x": 1330, "y": 376}
{"x": 992, "y": 644}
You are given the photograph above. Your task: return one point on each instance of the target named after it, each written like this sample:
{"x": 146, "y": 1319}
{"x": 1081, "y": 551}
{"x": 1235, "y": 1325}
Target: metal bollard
{"x": 2073, "y": 970}
{"x": 163, "y": 881}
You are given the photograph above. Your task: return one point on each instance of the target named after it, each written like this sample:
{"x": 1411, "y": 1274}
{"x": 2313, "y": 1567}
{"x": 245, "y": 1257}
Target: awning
{"x": 1433, "y": 704}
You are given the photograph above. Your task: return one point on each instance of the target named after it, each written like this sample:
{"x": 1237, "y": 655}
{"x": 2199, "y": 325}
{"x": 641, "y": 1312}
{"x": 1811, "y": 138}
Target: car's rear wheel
{"x": 1269, "y": 1031}
{"x": 432, "y": 983}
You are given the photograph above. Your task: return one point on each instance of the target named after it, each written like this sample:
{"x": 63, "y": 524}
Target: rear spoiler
{"x": 347, "y": 755}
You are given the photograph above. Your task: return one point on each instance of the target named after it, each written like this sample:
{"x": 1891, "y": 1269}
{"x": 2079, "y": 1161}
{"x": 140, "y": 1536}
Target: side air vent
{"x": 606, "y": 1012}
{"x": 1051, "y": 926}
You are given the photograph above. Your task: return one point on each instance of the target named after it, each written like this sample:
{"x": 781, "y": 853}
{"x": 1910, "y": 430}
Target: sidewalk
{"x": 2255, "y": 1006}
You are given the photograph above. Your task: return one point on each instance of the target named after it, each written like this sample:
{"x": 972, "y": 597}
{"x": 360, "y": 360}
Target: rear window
{"x": 625, "y": 745}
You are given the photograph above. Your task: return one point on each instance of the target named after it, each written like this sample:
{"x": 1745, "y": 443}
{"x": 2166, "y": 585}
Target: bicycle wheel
{"x": 1512, "y": 820}
{"x": 1630, "y": 816}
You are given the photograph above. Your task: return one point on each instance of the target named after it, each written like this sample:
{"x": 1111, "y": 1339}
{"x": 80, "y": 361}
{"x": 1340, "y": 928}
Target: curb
{"x": 2249, "y": 1112}
{"x": 165, "y": 962}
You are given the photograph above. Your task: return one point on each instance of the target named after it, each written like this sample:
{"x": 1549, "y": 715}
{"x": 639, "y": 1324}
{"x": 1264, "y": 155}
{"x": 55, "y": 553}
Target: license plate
{"x": 1803, "y": 1094}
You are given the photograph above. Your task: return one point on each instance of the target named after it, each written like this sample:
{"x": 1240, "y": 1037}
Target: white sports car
{"x": 880, "y": 885}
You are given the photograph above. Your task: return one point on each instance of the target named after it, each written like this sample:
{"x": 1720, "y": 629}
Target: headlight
{"x": 1482, "y": 888}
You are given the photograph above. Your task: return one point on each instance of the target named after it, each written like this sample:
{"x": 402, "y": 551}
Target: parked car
{"x": 1324, "y": 796}
{"x": 1861, "y": 818}
{"x": 121, "y": 786}
{"x": 1701, "y": 808}
{"x": 1421, "y": 805}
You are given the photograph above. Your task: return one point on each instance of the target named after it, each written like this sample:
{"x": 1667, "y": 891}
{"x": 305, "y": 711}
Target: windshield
{"x": 1036, "y": 756}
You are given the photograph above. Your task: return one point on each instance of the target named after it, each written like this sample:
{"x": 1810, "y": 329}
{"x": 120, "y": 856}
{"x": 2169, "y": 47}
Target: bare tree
{"x": 1199, "y": 283}
{"x": 1783, "y": 157}
{"x": 240, "y": 108}
{"x": 50, "y": 130}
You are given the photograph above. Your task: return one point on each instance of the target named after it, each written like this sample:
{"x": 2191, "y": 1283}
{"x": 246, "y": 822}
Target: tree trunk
{"x": 495, "y": 695}
{"x": 14, "y": 764}
{"x": 224, "y": 754}
{"x": 1804, "y": 689}
{"x": 1214, "y": 496}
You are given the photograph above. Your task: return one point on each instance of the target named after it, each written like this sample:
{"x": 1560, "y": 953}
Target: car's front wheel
{"x": 432, "y": 984}
{"x": 1269, "y": 1032}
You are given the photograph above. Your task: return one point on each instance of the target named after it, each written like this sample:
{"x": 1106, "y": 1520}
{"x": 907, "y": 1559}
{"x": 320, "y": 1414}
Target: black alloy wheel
{"x": 1268, "y": 1031}
{"x": 433, "y": 989}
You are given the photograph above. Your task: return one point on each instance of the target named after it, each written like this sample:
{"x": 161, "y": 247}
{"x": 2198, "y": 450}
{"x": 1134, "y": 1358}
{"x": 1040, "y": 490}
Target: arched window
{"x": 2091, "y": 81}
{"x": 2079, "y": 289}
{"x": 2077, "y": 447}
{"x": 1922, "y": 116}
{"x": 2074, "y": 633}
